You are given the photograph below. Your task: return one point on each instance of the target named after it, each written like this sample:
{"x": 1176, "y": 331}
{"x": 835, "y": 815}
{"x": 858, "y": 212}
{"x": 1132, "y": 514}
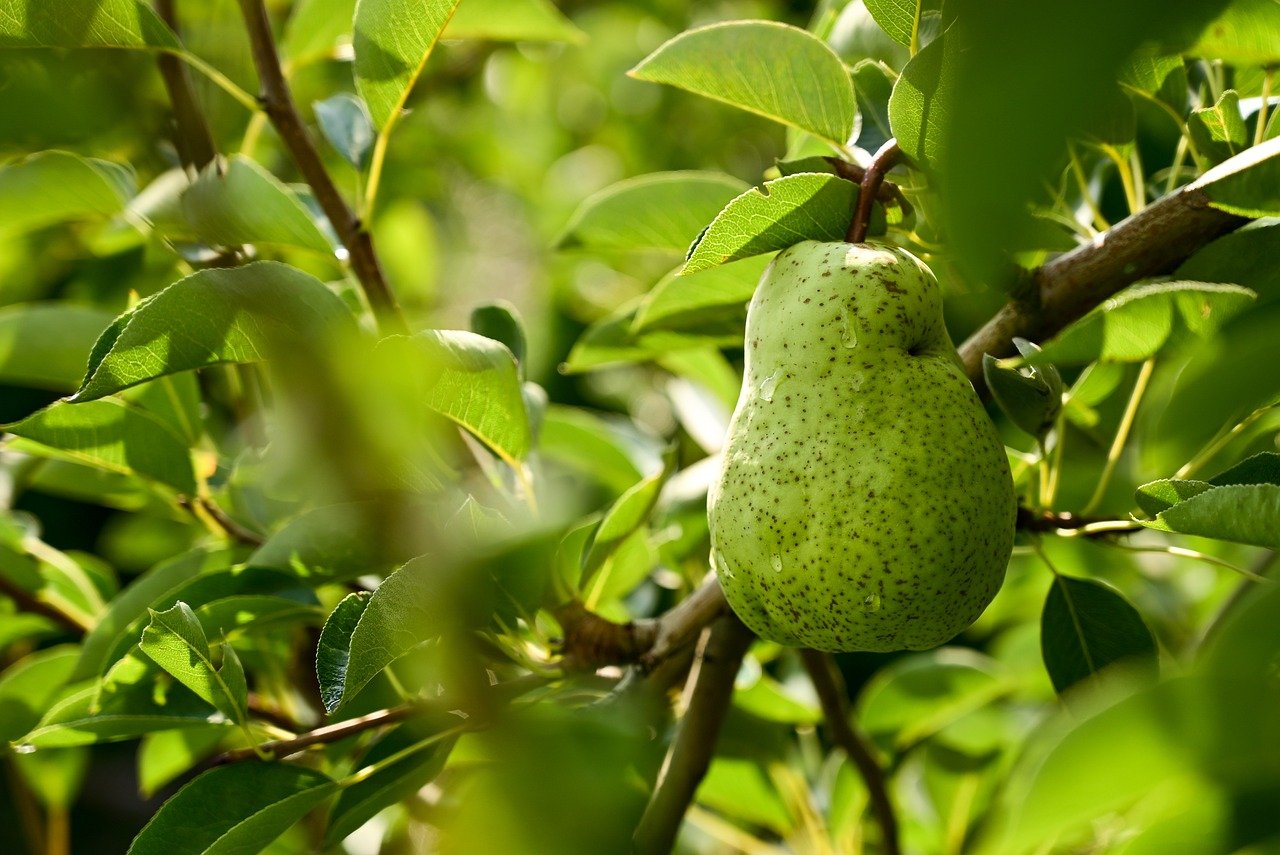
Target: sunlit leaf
{"x": 685, "y": 301}
{"x": 83, "y": 24}
{"x": 1241, "y": 513}
{"x": 393, "y": 39}
{"x": 175, "y": 640}
{"x": 899, "y": 18}
{"x": 57, "y": 186}
{"x": 512, "y": 21}
{"x": 1219, "y": 131}
{"x": 1248, "y": 183}
{"x": 239, "y": 202}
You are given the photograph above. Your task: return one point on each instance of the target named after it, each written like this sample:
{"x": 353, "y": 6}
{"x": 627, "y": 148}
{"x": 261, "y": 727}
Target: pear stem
{"x": 885, "y": 159}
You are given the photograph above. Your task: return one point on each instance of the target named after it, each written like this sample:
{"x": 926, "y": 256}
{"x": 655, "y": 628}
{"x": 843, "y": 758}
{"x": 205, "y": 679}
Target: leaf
{"x": 771, "y": 69}
{"x": 322, "y": 545}
{"x": 920, "y": 105}
{"x": 624, "y": 517}
{"x": 472, "y": 381}
{"x": 782, "y": 213}
{"x": 662, "y": 210}
{"x": 239, "y": 808}
{"x": 612, "y": 340}
{"x": 1219, "y": 131}
{"x": 1160, "y": 77}
{"x": 685, "y": 301}
{"x": 1031, "y": 396}
{"x": 57, "y": 186}
{"x": 45, "y": 345}
{"x": 231, "y": 617}
{"x": 238, "y": 202}
{"x": 164, "y": 756}
{"x": 1158, "y": 496}
{"x": 241, "y": 314}
{"x": 590, "y": 444}
{"x": 315, "y": 27}
{"x": 899, "y": 18}
{"x": 512, "y": 21}
{"x": 1261, "y": 468}
{"x": 392, "y": 783}
{"x": 1247, "y": 184}
{"x": 1241, "y": 513}
{"x": 1245, "y": 34}
{"x": 176, "y": 642}
{"x": 393, "y": 39}
{"x": 410, "y": 607}
{"x": 114, "y": 436}
{"x": 873, "y": 84}
{"x": 1136, "y": 323}
{"x": 333, "y": 651}
{"x": 29, "y": 686}
{"x": 83, "y": 24}
{"x": 501, "y": 322}
{"x": 1087, "y": 626}
{"x": 344, "y": 121}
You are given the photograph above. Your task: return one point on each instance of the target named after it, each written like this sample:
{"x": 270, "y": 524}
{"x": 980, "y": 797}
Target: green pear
{"x": 865, "y": 500}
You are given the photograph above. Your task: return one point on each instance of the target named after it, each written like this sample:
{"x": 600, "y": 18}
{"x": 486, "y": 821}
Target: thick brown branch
{"x": 277, "y": 102}
{"x": 1047, "y": 521}
{"x": 192, "y": 136}
{"x": 1149, "y": 243}
{"x": 28, "y": 602}
{"x": 872, "y": 179}
{"x": 709, "y": 692}
{"x": 829, "y": 684}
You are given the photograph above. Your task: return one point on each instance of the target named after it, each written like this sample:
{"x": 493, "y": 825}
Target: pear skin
{"x": 865, "y": 500}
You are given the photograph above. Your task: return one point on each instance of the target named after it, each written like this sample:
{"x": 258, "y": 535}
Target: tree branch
{"x": 281, "y": 748}
{"x": 869, "y": 188}
{"x": 708, "y": 693}
{"x": 28, "y": 602}
{"x": 1151, "y": 242}
{"x": 277, "y": 102}
{"x": 833, "y": 696}
{"x": 192, "y": 137}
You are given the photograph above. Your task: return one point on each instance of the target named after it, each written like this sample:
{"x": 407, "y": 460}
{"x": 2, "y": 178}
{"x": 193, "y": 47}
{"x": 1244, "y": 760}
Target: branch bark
{"x": 869, "y": 188}
{"x": 1151, "y": 242}
{"x": 834, "y": 697}
{"x": 192, "y": 136}
{"x": 277, "y": 102}
{"x": 708, "y": 693}
{"x": 281, "y": 748}
{"x": 28, "y": 602}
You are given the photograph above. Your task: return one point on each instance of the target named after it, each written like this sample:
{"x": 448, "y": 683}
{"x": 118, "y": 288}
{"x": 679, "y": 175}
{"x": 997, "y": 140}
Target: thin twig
{"x": 192, "y": 137}
{"x": 1047, "y": 521}
{"x": 885, "y": 158}
{"x": 834, "y": 698}
{"x": 277, "y": 102}
{"x": 28, "y": 602}
{"x": 234, "y": 530}
{"x": 281, "y": 748}
{"x": 709, "y": 692}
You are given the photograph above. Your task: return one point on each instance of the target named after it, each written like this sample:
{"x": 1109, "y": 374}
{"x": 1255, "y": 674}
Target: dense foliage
{"x": 364, "y": 365}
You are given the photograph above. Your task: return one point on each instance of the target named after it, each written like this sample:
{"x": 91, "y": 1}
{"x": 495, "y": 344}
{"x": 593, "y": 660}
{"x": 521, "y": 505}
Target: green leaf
{"x": 1085, "y": 627}
{"x": 175, "y": 640}
{"x": 241, "y": 314}
{"x": 782, "y": 213}
{"x": 663, "y": 210}
{"x": 741, "y": 788}
{"x": 83, "y": 24}
{"x": 1261, "y": 468}
{"x": 29, "y": 686}
{"x": 315, "y": 28}
{"x": 112, "y": 435}
{"x": 612, "y": 340}
{"x": 1031, "y": 396}
{"x": 771, "y": 69}
{"x": 164, "y": 756}
{"x": 344, "y": 121}
{"x": 57, "y": 186}
{"x": 393, "y": 39}
{"x": 321, "y": 545}
{"x": 472, "y": 381}
{"x": 682, "y": 302}
{"x": 1158, "y": 496}
{"x": 1247, "y": 184}
{"x": 873, "y": 84}
{"x": 1245, "y": 34}
{"x": 409, "y": 608}
{"x": 1136, "y": 323}
{"x": 238, "y": 202}
{"x": 590, "y": 444}
{"x": 392, "y": 783}
{"x": 920, "y": 105}
{"x": 233, "y": 809}
{"x": 1160, "y": 77}
{"x": 512, "y": 21}
{"x": 624, "y": 517}
{"x": 333, "y": 651}
{"x": 501, "y": 322}
{"x": 1241, "y": 513}
{"x": 899, "y": 18}
{"x": 234, "y": 616}
{"x": 1219, "y": 131}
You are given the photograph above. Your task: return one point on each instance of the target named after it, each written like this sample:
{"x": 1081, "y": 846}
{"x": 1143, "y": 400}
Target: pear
{"x": 865, "y": 500}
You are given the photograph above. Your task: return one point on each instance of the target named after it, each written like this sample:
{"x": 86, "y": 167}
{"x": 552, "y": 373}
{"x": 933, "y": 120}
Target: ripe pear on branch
{"x": 865, "y": 500}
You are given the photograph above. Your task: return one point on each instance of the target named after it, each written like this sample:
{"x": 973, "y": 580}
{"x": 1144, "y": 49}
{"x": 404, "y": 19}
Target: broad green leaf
{"x": 472, "y": 381}
{"x": 135, "y": 697}
{"x": 333, "y": 650}
{"x": 175, "y": 401}
{"x": 1241, "y": 513}
{"x": 393, "y": 39}
{"x": 740, "y": 788}
{"x": 512, "y": 21}
{"x": 1135, "y": 324}
{"x": 765, "y": 697}
{"x": 1158, "y": 496}
{"x": 164, "y": 756}
{"x": 46, "y": 344}
{"x": 237, "y": 809}
{"x": 83, "y": 24}
{"x": 1219, "y": 131}
{"x": 114, "y": 436}
{"x": 663, "y": 210}
{"x": 899, "y": 18}
{"x": 315, "y": 28}
{"x": 231, "y": 617}
{"x": 613, "y": 340}
{"x": 1031, "y": 396}
{"x": 238, "y": 202}
{"x": 590, "y": 444}
{"x": 126, "y": 610}
{"x": 321, "y": 545}
{"x": 624, "y": 517}
{"x": 625, "y": 567}
{"x": 920, "y": 105}
{"x": 683, "y": 302}
{"x": 30, "y": 686}
{"x": 57, "y": 186}
{"x": 873, "y": 84}
{"x": 1162, "y": 77}
{"x": 1245, "y": 34}
{"x": 782, "y": 213}
{"x": 410, "y": 607}
{"x": 392, "y": 783}
{"x": 241, "y": 314}
{"x": 1247, "y": 184}
{"x": 1261, "y": 468}
{"x": 344, "y": 121}
{"x": 919, "y": 695}
{"x": 175, "y": 640}
{"x": 1087, "y": 626}
{"x": 54, "y": 776}
{"x": 771, "y": 69}
{"x": 500, "y": 322}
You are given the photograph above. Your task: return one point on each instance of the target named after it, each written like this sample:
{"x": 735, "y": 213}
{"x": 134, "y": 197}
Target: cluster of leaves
{"x": 355, "y": 547}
